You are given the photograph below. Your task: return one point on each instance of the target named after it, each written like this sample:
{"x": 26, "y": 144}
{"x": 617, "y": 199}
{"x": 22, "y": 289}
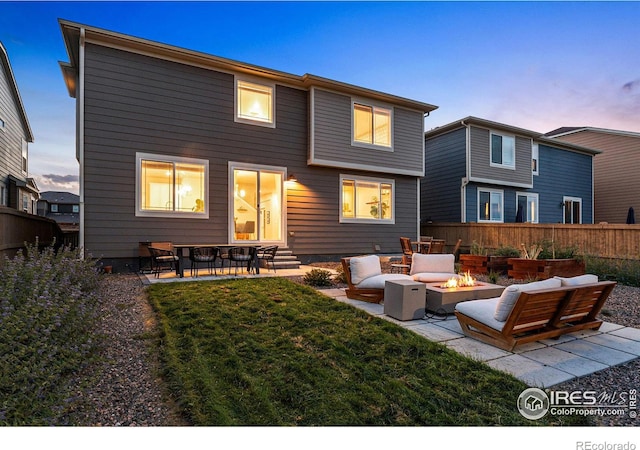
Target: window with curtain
{"x": 490, "y": 206}
{"x": 528, "y": 202}
{"x": 371, "y": 125}
{"x": 365, "y": 199}
{"x": 169, "y": 186}
{"x": 503, "y": 150}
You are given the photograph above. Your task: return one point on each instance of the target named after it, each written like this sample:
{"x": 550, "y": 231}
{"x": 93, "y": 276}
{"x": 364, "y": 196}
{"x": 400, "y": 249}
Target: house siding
{"x": 136, "y": 103}
{"x": 332, "y": 146}
{"x": 445, "y": 167}
{"x": 12, "y": 134}
{"x": 480, "y": 164}
{"x": 616, "y": 181}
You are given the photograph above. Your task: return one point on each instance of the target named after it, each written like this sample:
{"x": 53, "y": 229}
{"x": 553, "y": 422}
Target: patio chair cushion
{"x": 511, "y": 294}
{"x": 363, "y": 267}
{"x": 482, "y": 311}
{"x": 432, "y": 263}
{"x": 432, "y": 277}
{"x": 378, "y": 281}
{"x": 578, "y": 280}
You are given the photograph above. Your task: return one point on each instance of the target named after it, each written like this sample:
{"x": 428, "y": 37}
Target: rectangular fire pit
{"x": 445, "y": 299}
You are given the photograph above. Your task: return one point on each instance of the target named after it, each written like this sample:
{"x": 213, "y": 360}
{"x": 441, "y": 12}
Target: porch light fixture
{"x": 292, "y": 177}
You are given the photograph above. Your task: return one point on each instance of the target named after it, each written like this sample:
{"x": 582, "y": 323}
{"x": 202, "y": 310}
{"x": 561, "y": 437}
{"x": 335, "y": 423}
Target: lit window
{"x": 528, "y": 204}
{"x": 254, "y": 102}
{"x": 490, "y": 207}
{"x": 169, "y": 186}
{"x": 503, "y": 150}
{"x": 371, "y": 125}
{"x": 366, "y": 199}
{"x": 535, "y": 159}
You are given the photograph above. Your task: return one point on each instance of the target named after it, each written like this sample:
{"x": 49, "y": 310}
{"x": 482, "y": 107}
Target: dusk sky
{"x": 535, "y": 65}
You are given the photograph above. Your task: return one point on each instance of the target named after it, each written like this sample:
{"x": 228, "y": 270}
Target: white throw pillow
{"x": 579, "y": 280}
{"x": 363, "y": 267}
{"x": 511, "y": 293}
{"x": 439, "y": 263}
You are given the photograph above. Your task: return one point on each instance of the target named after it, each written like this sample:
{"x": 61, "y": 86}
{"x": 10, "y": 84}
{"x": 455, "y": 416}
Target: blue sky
{"x": 536, "y": 65}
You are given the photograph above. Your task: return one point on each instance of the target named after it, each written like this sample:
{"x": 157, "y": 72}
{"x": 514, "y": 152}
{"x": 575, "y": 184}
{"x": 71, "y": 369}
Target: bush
{"x": 47, "y": 313}
{"x": 624, "y": 271}
{"x": 506, "y": 250}
{"x": 318, "y": 278}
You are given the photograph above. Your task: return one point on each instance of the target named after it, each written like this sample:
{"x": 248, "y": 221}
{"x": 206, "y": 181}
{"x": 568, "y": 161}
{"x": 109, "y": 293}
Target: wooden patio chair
{"x": 436, "y": 246}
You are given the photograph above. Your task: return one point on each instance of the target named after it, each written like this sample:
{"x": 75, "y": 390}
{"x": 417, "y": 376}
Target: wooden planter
{"x": 475, "y": 264}
{"x": 498, "y": 264}
{"x": 542, "y": 269}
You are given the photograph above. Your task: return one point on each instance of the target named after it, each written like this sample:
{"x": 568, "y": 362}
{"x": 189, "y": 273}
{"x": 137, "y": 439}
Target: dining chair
{"x": 407, "y": 250}
{"x": 162, "y": 259}
{"x": 436, "y": 246}
{"x": 268, "y": 254}
{"x": 238, "y": 257}
{"x": 204, "y": 255}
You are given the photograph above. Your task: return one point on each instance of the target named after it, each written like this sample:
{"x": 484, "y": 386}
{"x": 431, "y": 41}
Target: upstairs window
{"x": 371, "y": 125}
{"x": 254, "y": 103}
{"x": 503, "y": 151}
{"x": 25, "y": 161}
{"x": 171, "y": 186}
{"x": 366, "y": 199}
{"x": 54, "y": 207}
{"x": 535, "y": 159}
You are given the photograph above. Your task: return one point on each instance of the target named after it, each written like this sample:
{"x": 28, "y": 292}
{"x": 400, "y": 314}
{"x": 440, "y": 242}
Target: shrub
{"x": 506, "y": 250}
{"x": 47, "y": 313}
{"x": 318, "y": 278}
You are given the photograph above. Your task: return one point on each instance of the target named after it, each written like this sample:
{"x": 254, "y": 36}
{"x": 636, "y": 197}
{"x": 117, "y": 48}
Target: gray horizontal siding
{"x": 445, "y": 167}
{"x": 332, "y": 137}
{"x": 136, "y": 103}
{"x": 12, "y": 134}
{"x": 481, "y": 169}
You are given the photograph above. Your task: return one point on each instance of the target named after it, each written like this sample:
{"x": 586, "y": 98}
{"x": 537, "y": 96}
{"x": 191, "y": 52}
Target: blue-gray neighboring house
{"x": 482, "y": 171}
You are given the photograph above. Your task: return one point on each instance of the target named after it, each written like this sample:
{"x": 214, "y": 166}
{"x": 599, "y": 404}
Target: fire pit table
{"x": 441, "y": 298}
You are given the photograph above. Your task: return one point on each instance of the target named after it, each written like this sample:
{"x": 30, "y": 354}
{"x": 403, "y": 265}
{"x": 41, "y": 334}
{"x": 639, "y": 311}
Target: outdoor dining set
{"x": 246, "y": 257}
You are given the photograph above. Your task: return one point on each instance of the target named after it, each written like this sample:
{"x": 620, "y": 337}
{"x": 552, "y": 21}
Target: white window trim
{"x": 535, "y": 154}
{"x": 374, "y": 105}
{"x": 573, "y": 200}
{"x": 171, "y": 159}
{"x": 530, "y": 195}
{"x": 490, "y": 191}
{"x": 260, "y": 82}
{"x": 374, "y": 180}
{"x": 503, "y": 135}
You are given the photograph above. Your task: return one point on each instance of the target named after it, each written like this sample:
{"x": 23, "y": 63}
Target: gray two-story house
{"x": 478, "y": 170}
{"x": 182, "y": 146}
{"x": 17, "y": 190}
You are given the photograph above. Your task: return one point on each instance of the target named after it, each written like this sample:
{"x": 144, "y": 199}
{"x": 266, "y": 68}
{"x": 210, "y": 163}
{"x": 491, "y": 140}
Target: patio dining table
{"x": 180, "y": 247}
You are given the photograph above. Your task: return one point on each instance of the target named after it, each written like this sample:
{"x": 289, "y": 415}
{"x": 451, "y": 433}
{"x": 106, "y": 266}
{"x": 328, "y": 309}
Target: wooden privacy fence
{"x": 604, "y": 240}
{"x": 17, "y": 227}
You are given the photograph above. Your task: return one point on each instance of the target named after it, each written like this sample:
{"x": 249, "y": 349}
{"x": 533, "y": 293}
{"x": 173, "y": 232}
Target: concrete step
{"x": 284, "y": 259}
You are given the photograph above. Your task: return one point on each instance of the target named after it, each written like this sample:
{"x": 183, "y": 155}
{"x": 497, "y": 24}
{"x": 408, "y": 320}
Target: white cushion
{"x": 432, "y": 277}
{"x": 511, "y": 293}
{"x": 579, "y": 280}
{"x": 438, "y": 263}
{"x": 378, "y": 281}
{"x": 482, "y": 311}
{"x": 363, "y": 267}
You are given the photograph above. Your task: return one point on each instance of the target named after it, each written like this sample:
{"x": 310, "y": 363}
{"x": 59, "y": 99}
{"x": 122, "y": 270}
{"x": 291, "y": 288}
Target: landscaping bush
{"x": 624, "y": 271}
{"x": 318, "y": 278}
{"x": 47, "y": 313}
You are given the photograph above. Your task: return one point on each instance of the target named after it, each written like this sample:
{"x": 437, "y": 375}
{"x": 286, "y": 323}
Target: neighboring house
{"x": 63, "y": 207}
{"x": 177, "y": 145}
{"x": 481, "y": 171}
{"x": 17, "y": 189}
{"x": 616, "y": 181}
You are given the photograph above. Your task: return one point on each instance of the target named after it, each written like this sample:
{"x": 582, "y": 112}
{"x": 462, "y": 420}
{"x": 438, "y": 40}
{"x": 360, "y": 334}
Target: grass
{"x": 273, "y": 352}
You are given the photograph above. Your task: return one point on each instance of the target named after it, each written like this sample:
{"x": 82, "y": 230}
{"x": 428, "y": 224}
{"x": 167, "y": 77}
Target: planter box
{"x": 475, "y": 264}
{"x": 498, "y": 264}
{"x": 542, "y": 269}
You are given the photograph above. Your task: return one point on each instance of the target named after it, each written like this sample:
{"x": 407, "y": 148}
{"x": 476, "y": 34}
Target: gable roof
{"x": 73, "y": 32}
{"x": 4, "y": 60}
{"x": 60, "y": 197}
{"x": 534, "y": 135}
{"x": 563, "y": 131}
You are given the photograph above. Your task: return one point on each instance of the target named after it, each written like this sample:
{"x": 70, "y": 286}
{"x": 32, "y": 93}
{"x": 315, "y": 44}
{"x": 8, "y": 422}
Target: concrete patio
{"x": 539, "y": 364}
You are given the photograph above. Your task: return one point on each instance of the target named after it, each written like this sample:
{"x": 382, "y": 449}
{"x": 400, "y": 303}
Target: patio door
{"x": 256, "y": 203}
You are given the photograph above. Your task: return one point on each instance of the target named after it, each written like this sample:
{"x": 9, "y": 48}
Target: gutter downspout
{"x": 465, "y": 179}
{"x": 80, "y": 138}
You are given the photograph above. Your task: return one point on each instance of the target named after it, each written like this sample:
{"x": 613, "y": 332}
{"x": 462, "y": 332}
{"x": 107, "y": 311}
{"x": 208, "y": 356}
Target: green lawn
{"x": 273, "y": 352}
